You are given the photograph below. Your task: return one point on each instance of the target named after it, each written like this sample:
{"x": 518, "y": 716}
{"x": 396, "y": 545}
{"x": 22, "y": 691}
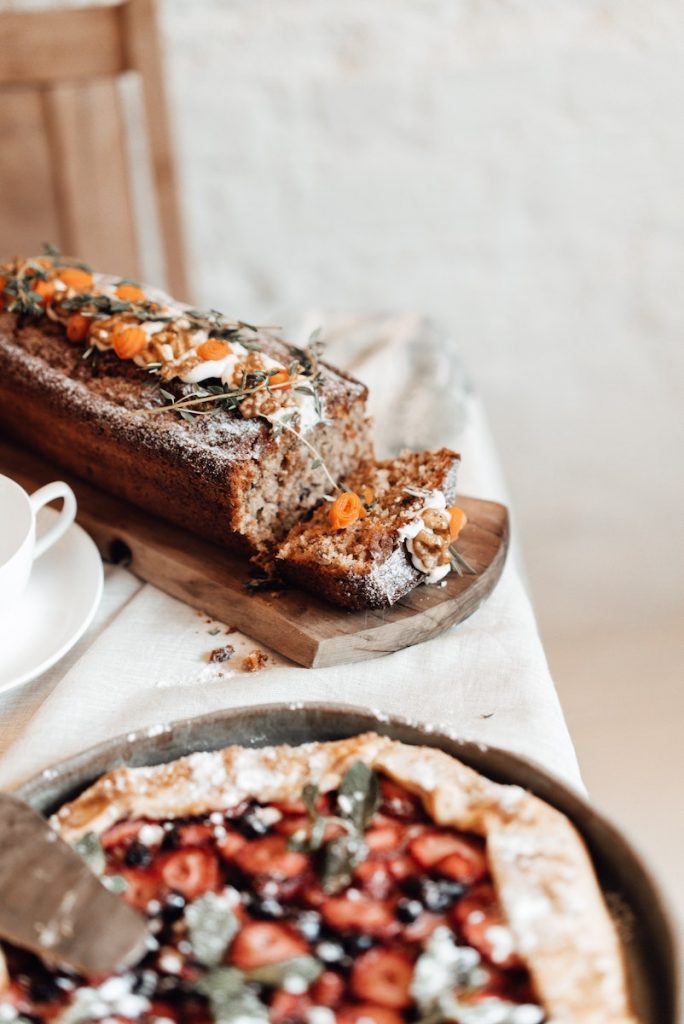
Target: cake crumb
{"x": 254, "y": 661}
{"x": 230, "y": 629}
{"x": 222, "y": 653}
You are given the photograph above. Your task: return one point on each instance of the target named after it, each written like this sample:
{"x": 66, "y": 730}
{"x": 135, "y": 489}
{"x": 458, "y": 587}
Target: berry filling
{"x": 341, "y": 908}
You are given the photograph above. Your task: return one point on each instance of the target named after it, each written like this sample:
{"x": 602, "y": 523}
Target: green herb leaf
{"x": 90, "y": 849}
{"x": 359, "y": 795}
{"x": 115, "y": 883}
{"x": 274, "y": 975}
{"x": 309, "y": 798}
{"x": 212, "y": 926}
{"x": 342, "y": 855}
{"x": 228, "y": 996}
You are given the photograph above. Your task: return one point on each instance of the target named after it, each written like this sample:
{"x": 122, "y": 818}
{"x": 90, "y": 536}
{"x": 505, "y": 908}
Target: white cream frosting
{"x": 211, "y": 369}
{"x": 433, "y": 499}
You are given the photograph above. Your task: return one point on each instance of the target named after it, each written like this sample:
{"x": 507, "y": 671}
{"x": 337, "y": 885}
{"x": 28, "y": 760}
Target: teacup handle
{"x": 41, "y": 497}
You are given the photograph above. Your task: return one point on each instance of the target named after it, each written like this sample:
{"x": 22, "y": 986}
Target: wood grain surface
{"x": 297, "y": 625}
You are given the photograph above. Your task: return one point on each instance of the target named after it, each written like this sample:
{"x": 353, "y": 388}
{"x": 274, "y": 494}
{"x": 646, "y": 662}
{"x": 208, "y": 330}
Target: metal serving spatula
{"x": 52, "y": 904}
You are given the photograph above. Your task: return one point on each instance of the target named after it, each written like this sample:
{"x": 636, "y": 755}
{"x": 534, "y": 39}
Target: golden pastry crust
{"x": 540, "y": 866}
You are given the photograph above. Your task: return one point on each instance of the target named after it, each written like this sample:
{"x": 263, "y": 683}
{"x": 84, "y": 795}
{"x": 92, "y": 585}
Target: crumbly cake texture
{"x": 224, "y": 477}
{"x": 367, "y": 565}
{"x": 540, "y": 867}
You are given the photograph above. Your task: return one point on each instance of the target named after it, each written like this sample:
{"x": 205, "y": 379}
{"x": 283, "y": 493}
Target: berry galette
{"x": 362, "y": 881}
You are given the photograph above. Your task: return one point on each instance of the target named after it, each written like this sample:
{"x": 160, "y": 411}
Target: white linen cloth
{"x": 144, "y": 660}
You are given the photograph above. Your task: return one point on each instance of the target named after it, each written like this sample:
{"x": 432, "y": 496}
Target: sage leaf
{"x": 229, "y": 998}
{"x": 359, "y": 795}
{"x": 115, "y": 883}
{"x": 212, "y": 926}
{"x": 342, "y": 855}
{"x": 274, "y": 975}
{"x": 90, "y": 849}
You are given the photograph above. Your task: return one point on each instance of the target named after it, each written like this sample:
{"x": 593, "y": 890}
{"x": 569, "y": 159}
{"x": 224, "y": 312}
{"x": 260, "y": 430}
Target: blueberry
{"x": 357, "y": 942}
{"x": 43, "y": 988}
{"x": 330, "y": 952}
{"x": 137, "y": 855}
{"x": 408, "y": 911}
{"x": 309, "y": 925}
{"x": 145, "y": 983}
{"x": 413, "y": 887}
{"x": 266, "y": 908}
{"x": 173, "y": 908}
{"x": 250, "y": 824}
{"x": 439, "y": 896}
{"x": 171, "y": 839}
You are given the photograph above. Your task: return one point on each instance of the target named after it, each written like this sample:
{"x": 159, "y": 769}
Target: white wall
{"x": 515, "y": 170}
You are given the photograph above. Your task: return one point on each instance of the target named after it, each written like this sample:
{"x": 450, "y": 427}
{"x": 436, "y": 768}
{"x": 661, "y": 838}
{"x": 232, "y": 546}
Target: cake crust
{"x": 541, "y": 869}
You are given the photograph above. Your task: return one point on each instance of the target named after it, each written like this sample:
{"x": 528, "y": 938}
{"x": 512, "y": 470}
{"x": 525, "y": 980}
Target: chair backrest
{"x": 65, "y": 159}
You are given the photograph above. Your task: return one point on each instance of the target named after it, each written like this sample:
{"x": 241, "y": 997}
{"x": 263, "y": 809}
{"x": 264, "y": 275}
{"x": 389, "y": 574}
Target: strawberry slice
{"x": 398, "y": 802}
{"x": 229, "y": 845}
{"x": 383, "y": 976}
{"x": 265, "y": 942}
{"x": 314, "y": 895}
{"x": 423, "y": 927}
{"x": 482, "y": 925}
{"x": 299, "y": 807}
{"x": 141, "y": 887}
{"x": 328, "y": 990}
{"x": 196, "y": 834}
{"x": 286, "y": 1006}
{"x": 190, "y": 871}
{"x": 160, "y": 1008}
{"x": 372, "y": 917}
{"x": 451, "y": 855}
{"x": 288, "y": 826}
{"x": 383, "y": 839}
{"x": 402, "y": 867}
{"x": 293, "y": 823}
{"x": 121, "y": 834}
{"x": 270, "y": 856}
{"x": 375, "y": 878}
{"x": 367, "y": 1012}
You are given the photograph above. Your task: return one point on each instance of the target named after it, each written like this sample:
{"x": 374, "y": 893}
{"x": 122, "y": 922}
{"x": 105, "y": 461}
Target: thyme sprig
{"x": 318, "y": 462}
{"x": 460, "y": 564}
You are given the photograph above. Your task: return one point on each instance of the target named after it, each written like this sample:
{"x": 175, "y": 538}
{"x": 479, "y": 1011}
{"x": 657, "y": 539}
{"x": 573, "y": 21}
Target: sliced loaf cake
{"x": 389, "y": 528}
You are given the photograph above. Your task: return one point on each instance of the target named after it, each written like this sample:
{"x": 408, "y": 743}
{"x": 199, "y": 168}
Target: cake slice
{"x": 389, "y": 528}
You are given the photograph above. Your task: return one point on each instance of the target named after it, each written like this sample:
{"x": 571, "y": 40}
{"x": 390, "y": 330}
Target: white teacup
{"x": 19, "y": 546}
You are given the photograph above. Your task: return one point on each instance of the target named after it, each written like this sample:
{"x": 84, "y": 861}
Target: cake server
{"x": 53, "y": 904}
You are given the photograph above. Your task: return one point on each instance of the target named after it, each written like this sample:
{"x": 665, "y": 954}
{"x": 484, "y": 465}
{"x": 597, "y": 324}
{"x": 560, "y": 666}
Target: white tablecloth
{"x": 144, "y": 660}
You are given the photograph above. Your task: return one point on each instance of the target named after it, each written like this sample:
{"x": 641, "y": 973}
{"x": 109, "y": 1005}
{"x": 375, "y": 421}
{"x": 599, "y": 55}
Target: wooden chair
{"x": 64, "y": 163}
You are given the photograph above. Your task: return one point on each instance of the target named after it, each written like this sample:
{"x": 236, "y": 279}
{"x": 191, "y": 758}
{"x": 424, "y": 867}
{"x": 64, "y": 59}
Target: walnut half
{"x": 431, "y": 545}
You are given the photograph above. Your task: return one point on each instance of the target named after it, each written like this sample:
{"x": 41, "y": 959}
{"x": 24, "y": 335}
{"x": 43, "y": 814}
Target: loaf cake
{"x": 391, "y": 527}
{"x": 220, "y": 427}
{"x": 207, "y": 422}
{"x": 362, "y": 881}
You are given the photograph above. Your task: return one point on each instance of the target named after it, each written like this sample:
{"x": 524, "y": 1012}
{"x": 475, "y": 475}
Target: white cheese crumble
{"x": 113, "y": 997}
{"x": 408, "y": 533}
{"x": 320, "y": 1015}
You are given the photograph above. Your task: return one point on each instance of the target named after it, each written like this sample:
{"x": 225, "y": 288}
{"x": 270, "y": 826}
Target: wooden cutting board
{"x": 292, "y": 622}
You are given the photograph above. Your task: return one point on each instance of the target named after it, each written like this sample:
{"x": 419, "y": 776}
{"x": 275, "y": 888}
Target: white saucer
{"x": 57, "y": 607}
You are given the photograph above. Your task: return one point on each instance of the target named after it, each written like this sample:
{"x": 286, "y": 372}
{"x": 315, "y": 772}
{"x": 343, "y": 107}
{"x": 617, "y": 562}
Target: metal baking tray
{"x": 634, "y": 899}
